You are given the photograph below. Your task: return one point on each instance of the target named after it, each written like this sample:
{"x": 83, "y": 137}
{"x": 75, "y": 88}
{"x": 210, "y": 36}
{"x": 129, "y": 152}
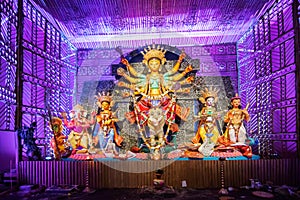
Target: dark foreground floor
{"x": 145, "y": 194}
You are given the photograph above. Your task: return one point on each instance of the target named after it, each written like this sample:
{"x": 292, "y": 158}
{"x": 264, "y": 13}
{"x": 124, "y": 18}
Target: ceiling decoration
{"x": 105, "y": 23}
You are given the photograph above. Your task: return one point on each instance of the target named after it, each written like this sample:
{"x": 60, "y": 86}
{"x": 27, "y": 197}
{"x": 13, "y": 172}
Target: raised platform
{"x": 145, "y": 156}
{"x": 136, "y": 174}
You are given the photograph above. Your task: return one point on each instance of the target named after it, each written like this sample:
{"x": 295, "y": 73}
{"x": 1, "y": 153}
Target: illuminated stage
{"x": 136, "y": 174}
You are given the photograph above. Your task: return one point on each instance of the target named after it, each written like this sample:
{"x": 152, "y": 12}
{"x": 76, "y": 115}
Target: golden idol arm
{"x": 181, "y": 75}
{"x": 188, "y": 80}
{"x": 130, "y": 68}
{"x": 177, "y": 65}
{"x": 131, "y": 79}
{"x": 126, "y": 85}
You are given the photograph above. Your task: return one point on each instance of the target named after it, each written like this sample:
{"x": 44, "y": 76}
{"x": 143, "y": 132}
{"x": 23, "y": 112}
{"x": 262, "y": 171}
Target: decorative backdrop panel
{"x": 49, "y": 68}
{"x": 267, "y": 75}
{"x": 215, "y": 65}
{"x": 8, "y": 63}
{"x": 133, "y": 23}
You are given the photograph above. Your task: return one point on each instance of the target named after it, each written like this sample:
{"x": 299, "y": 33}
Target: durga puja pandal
{"x": 106, "y": 94}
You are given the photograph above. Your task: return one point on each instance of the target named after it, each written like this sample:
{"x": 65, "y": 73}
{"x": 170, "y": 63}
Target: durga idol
{"x": 155, "y": 89}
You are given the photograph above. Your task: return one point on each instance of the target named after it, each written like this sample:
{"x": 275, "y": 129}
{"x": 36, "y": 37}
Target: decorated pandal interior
{"x": 155, "y": 116}
{"x": 105, "y": 94}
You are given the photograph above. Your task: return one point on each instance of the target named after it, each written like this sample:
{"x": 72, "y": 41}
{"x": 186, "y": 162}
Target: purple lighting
{"x": 67, "y": 46}
{"x": 108, "y": 24}
{"x": 267, "y": 80}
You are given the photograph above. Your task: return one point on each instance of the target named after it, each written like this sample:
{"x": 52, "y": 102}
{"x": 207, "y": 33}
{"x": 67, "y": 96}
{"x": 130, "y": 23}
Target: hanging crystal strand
{"x": 87, "y": 180}
{"x": 222, "y": 191}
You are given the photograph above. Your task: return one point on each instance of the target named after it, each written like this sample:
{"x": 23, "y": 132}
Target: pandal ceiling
{"x": 129, "y": 23}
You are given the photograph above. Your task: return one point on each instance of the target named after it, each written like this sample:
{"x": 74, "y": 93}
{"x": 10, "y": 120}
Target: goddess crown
{"x": 104, "y": 97}
{"x": 154, "y": 52}
{"x": 55, "y": 121}
{"x": 211, "y": 92}
{"x": 235, "y": 97}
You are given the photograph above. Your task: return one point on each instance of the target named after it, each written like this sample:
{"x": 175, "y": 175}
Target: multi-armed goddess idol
{"x": 154, "y": 93}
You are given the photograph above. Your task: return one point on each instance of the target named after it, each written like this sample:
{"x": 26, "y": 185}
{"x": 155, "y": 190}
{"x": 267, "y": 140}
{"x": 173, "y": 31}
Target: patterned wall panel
{"x": 269, "y": 84}
{"x": 48, "y": 71}
{"x": 8, "y": 63}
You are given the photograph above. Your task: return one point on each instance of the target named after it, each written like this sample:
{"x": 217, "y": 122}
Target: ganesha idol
{"x": 154, "y": 95}
{"x": 79, "y": 138}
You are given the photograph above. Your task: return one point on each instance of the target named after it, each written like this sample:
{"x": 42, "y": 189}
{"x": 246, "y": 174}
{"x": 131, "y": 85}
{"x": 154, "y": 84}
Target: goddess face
{"x": 105, "y": 105}
{"x": 236, "y": 103}
{"x": 210, "y": 101}
{"x": 154, "y": 64}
